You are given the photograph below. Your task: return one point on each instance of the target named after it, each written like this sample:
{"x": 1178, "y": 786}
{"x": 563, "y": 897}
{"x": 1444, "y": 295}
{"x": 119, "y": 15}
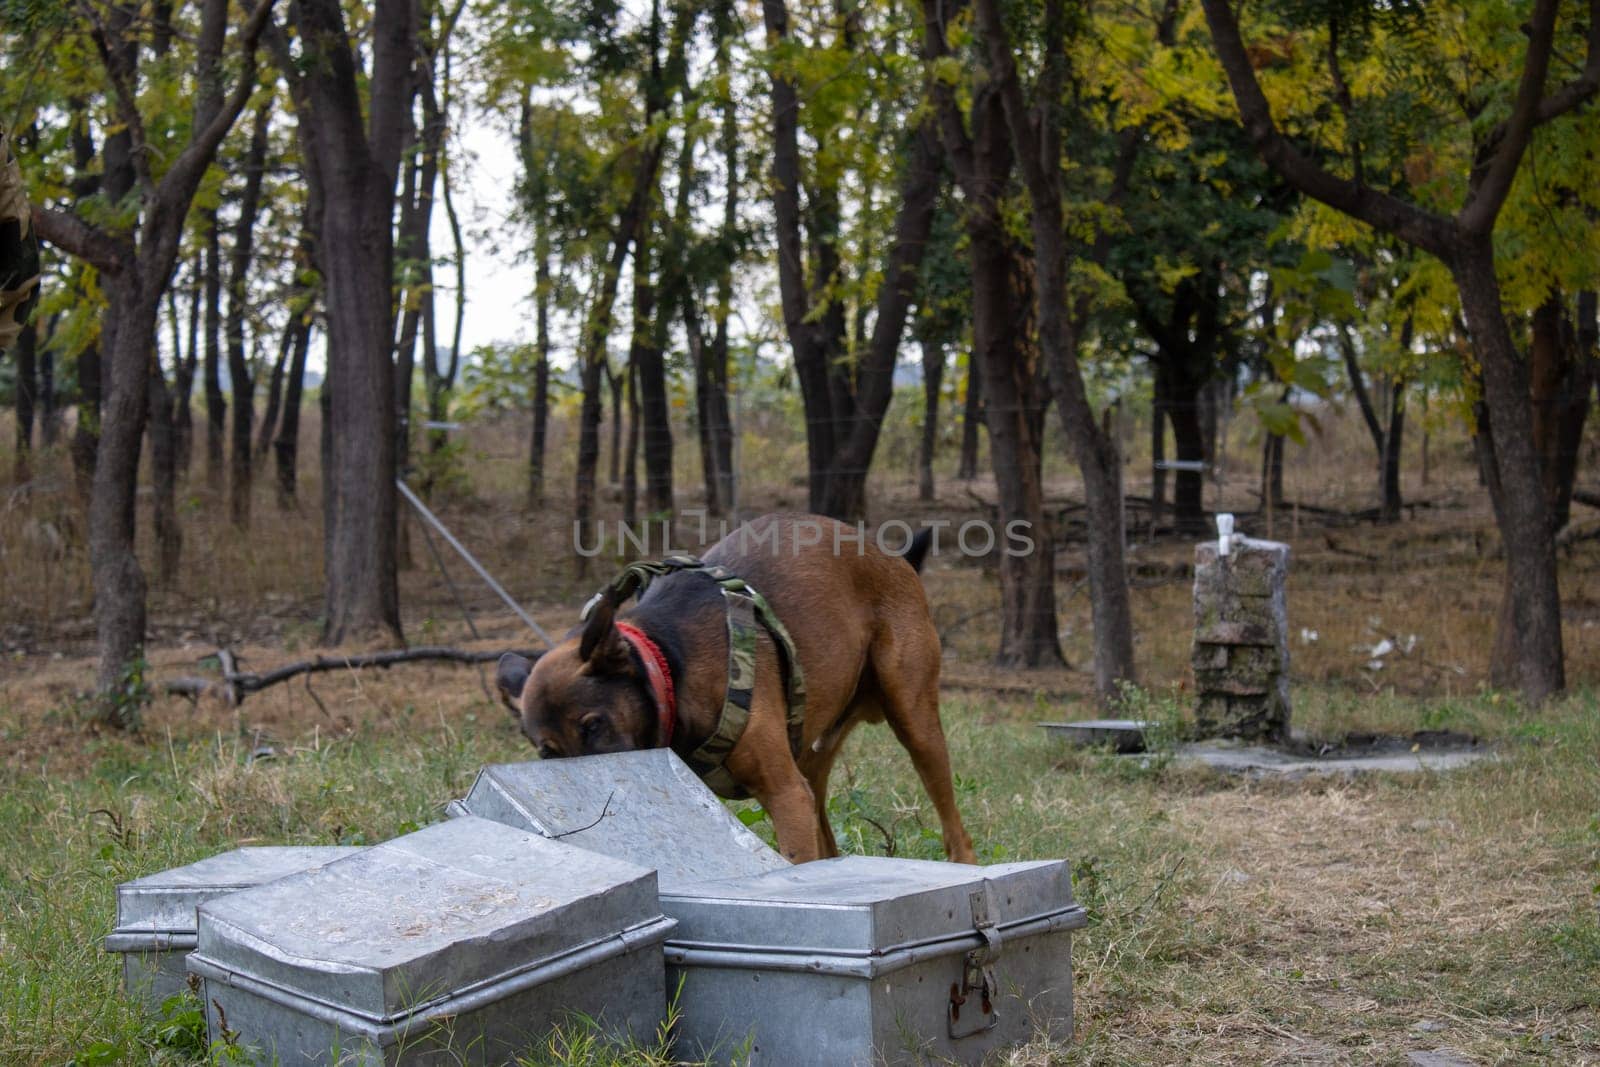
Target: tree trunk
{"x": 286, "y": 445}
{"x": 242, "y": 382}
{"x": 1390, "y": 502}
{"x": 932, "y": 380}
{"x": 183, "y": 376}
{"x": 1182, "y": 404}
{"x": 216, "y": 403}
{"x": 1035, "y": 134}
{"x": 593, "y": 363}
{"x": 413, "y": 277}
{"x": 810, "y": 335}
{"x": 119, "y": 585}
{"x": 269, "y": 416}
{"x": 164, "y": 478}
{"x": 286, "y": 439}
{"x": 86, "y": 432}
{"x": 647, "y": 398}
{"x": 1028, "y": 631}
{"x": 971, "y": 420}
{"x": 1213, "y": 397}
{"x": 1393, "y": 442}
{"x": 856, "y": 437}
{"x": 712, "y": 366}
{"x": 699, "y": 359}
{"x": 1158, "y": 447}
{"x": 541, "y": 378}
{"x": 358, "y": 158}
{"x": 86, "y": 182}
{"x": 49, "y": 410}
{"x": 325, "y": 470}
{"x": 617, "y": 384}
{"x": 1533, "y": 620}
{"x": 1000, "y": 302}
{"x": 26, "y": 386}
{"x": 441, "y": 383}
{"x": 1561, "y": 372}
{"x": 630, "y": 459}
{"x": 363, "y": 598}
{"x": 588, "y": 461}
{"x": 1272, "y": 472}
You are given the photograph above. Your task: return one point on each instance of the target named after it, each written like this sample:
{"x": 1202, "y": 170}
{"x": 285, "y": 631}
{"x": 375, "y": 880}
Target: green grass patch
{"x": 1213, "y": 918}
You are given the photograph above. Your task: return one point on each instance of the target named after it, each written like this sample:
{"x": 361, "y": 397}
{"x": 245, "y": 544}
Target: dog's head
{"x": 585, "y": 696}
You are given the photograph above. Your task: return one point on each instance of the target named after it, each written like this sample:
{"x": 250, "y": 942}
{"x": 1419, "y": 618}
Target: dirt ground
{"x": 1235, "y": 923}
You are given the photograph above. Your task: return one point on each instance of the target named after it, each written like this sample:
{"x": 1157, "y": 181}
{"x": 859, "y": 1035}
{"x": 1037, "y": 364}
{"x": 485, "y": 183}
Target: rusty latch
{"x": 977, "y": 976}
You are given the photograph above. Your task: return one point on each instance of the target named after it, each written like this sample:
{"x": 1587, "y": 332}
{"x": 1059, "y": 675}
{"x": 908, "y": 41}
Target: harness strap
{"x": 747, "y": 613}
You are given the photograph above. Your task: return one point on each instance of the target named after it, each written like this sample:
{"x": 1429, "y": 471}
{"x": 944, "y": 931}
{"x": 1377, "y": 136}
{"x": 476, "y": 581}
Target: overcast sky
{"x": 499, "y": 289}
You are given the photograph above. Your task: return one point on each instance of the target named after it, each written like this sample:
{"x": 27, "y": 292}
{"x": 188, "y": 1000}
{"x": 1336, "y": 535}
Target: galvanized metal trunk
{"x": 868, "y": 960}
{"x": 156, "y": 914}
{"x": 463, "y": 942}
{"x": 855, "y": 960}
{"x": 645, "y": 807}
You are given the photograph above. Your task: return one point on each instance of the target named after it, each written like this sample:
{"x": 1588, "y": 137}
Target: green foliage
{"x": 497, "y": 377}
{"x": 123, "y": 706}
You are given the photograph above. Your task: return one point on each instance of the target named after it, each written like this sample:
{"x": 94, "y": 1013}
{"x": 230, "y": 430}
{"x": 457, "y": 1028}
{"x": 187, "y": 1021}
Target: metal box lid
{"x": 455, "y": 907}
{"x": 165, "y": 903}
{"x": 866, "y": 906}
{"x": 646, "y": 807}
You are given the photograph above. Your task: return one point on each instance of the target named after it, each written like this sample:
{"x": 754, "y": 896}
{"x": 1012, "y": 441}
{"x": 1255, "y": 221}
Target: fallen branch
{"x": 236, "y": 684}
{"x": 1590, "y": 497}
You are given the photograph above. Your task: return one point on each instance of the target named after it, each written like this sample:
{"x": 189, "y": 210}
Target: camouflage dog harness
{"x": 747, "y": 611}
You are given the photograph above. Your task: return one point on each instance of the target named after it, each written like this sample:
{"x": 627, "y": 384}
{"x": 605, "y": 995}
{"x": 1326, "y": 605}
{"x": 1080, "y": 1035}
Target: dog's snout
{"x": 548, "y": 751}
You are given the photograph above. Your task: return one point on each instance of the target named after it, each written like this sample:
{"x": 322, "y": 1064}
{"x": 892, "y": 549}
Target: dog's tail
{"x": 918, "y": 549}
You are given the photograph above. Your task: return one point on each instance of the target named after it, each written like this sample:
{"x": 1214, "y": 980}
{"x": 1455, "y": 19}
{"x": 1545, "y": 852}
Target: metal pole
{"x": 488, "y": 579}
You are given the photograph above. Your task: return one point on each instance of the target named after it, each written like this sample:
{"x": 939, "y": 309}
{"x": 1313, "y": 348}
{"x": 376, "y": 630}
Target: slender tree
{"x": 25, "y": 352}
{"x": 241, "y": 380}
{"x": 138, "y": 262}
{"x": 216, "y": 399}
{"x": 183, "y": 373}
{"x": 971, "y": 420}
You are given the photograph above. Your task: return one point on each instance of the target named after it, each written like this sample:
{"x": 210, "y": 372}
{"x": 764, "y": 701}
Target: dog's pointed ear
{"x": 602, "y": 645}
{"x": 511, "y": 676}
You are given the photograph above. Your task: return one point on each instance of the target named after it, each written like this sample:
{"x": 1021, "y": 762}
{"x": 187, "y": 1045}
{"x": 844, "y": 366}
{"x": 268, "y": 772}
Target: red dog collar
{"x": 655, "y": 669}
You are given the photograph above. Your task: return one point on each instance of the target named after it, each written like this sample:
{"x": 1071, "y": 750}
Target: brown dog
{"x": 866, "y": 645}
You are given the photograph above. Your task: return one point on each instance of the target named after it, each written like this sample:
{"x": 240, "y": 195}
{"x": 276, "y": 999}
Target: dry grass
{"x": 1234, "y": 923}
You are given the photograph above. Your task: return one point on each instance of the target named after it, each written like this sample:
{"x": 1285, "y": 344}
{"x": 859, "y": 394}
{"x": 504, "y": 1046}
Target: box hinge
{"x": 972, "y": 1008}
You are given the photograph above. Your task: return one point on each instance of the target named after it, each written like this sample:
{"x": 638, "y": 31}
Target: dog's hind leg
{"x": 910, "y": 692}
{"x": 817, "y": 778}
{"x": 816, "y": 763}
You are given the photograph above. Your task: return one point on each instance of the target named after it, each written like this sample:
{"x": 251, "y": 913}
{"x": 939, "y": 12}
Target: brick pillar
{"x": 1241, "y": 640}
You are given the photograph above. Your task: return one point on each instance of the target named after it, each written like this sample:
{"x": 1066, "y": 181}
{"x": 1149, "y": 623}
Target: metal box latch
{"x": 972, "y": 999}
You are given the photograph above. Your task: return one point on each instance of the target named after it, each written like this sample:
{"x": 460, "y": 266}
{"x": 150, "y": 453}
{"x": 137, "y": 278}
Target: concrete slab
{"x": 1258, "y": 761}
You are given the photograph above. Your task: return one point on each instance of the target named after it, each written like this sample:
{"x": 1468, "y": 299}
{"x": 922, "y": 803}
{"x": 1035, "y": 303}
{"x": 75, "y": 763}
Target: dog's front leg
{"x": 763, "y": 764}
{"x": 794, "y": 817}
